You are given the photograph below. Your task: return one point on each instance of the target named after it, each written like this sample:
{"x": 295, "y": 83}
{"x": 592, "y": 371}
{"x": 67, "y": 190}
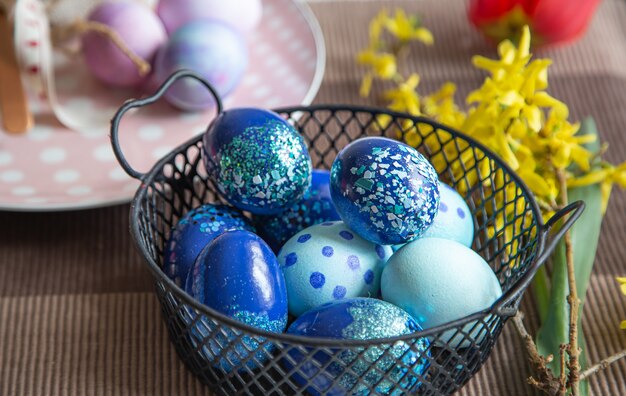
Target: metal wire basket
{"x": 233, "y": 358}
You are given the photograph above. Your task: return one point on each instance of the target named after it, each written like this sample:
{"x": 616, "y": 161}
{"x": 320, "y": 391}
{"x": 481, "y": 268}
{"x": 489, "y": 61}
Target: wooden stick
{"x": 16, "y": 116}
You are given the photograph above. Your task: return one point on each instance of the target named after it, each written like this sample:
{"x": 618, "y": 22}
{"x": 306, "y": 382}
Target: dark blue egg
{"x": 384, "y": 190}
{"x": 258, "y": 161}
{"x": 314, "y": 208}
{"x": 359, "y": 319}
{"x": 193, "y": 232}
{"x": 237, "y": 274}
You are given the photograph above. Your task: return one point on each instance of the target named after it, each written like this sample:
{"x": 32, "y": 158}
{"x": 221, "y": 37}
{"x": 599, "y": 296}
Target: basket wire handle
{"x": 507, "y": 304}
{"x": 133, "y": 103}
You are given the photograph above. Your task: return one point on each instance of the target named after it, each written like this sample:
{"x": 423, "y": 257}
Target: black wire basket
{"x": 234, "y": 358}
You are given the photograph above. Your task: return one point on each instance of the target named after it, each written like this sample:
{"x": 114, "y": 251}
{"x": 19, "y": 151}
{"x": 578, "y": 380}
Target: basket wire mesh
{"x": 233, "y": 358}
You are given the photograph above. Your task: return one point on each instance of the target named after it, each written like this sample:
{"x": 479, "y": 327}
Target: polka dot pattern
{"x": 327, "y": 262}
{"x": 72, "y": 169}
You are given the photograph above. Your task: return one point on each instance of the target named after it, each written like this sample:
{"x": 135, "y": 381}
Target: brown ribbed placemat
{"x": 77, "y": 315}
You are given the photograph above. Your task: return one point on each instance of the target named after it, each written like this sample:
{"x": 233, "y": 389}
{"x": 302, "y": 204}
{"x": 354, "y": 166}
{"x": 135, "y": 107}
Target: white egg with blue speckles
{"x": 329, "y": 262}
{"x": 438, "y": 281}
{"x": 454, "y": 218}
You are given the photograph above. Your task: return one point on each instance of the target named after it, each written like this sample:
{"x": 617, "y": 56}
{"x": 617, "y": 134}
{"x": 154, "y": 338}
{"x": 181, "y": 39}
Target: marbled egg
{"x": 360, "y": 319}
{"x": 328, "y": 262}
{"x": 259, "y": 162}
{"x": 454, "y": 218}
{"x": 237, "y": 274}
{"x": 439, "y": 280}
{"x": 212, "y": 49}
{"x": 384, "y": 190}
{"x": 315, "y": 207}
{"x": 193, "y": 232}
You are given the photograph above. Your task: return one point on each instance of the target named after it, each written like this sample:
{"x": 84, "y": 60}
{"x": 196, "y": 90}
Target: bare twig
{"x": 574, "y": 352}
{"x": 602, "y": 364}
{"x": 545, "y": 381}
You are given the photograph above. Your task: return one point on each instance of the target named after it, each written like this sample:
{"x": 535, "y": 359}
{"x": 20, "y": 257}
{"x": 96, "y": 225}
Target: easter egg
{"x": 258, "y": 161}
{"x": 360, "y": 319}
{"x": 193, "y": 232}
{"x": 213, "y": 50}
{"x": 384, "y": 190}
{"x": 237, "y": 274}
{"x": 315, "y": 207}
{"x": 328, "y": 262}
{"x": 439, "y": 280}
{"x": 244, "y": 15}
{"x": 454, "y": 218}
{"x": 140, "y": 30}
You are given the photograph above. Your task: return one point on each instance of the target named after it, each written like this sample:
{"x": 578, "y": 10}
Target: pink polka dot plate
{"x": 54, "y": 168}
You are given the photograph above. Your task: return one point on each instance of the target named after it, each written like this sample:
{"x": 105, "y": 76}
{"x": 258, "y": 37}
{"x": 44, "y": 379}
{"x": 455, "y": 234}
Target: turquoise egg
{"x": 438, "y": 281}
{"x": 360, "y": 319}
{"x": 454, "y": 219}
{"x": 328, "y": 262}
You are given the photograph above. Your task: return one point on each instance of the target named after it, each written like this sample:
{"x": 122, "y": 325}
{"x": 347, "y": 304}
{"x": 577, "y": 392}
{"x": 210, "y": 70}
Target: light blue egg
{"x": 360, "y": 319}
{"x": 454, "y": 218}
{"x": 438, "y": 281}
{"x": 329, "y": 262}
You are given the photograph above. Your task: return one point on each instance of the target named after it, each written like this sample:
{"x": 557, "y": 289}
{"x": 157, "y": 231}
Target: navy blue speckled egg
{"x": 193, "y": 232}
{"x": 238, "y": 275}
{"x": 360, "y": 319}
{"x": 314, "y": 208}
{"x": 259, "y": 162}
{"x": 384, "y": 190}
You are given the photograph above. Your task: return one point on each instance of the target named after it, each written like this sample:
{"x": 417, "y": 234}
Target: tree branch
{"x": 602, "y": 364}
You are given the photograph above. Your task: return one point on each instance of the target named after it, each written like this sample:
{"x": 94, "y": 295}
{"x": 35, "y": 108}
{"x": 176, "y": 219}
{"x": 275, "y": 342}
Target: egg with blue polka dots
{"x": 384, "y": 190}
{"x": 454, "y": 218}
{"x": 328, "y": 262}
{"x": 259, "y": 162}
{"x": 193, "y": 232}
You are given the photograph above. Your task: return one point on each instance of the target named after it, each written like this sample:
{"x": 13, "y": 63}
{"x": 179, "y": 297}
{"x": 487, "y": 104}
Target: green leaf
{"x": 585, "y": 234}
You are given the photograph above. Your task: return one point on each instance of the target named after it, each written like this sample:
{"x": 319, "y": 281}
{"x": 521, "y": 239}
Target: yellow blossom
{"x": 407, "y": 28}
{"x": 622, "y": 286}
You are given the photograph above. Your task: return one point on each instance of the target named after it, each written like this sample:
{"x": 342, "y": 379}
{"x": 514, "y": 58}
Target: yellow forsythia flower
{"x": 622, "y": 285}
{"x": 407, "y": 28}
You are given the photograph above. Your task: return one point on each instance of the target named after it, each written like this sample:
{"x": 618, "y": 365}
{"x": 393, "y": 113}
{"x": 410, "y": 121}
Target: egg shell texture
{"x": 315, "y": 207}
{"x": 243, "y": 15}
{"x": 213, "y": 50}
{"x": 260, "y": 163}
{"x": 437, "y": 281}
{"x": 328, "y": 262}
{"x": 193, "y": 232}
{"x": 140, "y": 30}
{"x": 384, "y": 190}
{"x": 360, "y": 319}
{"x": 454, "y": 220}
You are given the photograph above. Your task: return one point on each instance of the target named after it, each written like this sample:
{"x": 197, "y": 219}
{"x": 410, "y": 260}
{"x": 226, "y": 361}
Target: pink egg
{"x": 139, "y": 28}
{"x": 243, "y": 15}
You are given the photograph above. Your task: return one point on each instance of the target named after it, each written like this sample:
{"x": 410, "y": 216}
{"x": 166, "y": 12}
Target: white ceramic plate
{"x": 53, "y": 168}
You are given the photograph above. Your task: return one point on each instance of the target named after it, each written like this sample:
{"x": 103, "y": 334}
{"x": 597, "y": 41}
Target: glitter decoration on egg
{"x": 258, "y": 161}
{"x": 360, "y": 319}
{"x": 316, "y": 206}
{"x": 193, "y": 232}
{"x": 384, "y": 190}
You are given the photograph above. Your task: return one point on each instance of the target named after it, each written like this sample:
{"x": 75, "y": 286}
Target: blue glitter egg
{"x": 360, "y": 319}
{"x": 315, "y": 207}
{"x": 237, "y": 274}
{"x": 259, "y": 162}
{"x": 328, "y": 262}
{"x": 384, "y": 190}
{"x": 454, "y": 219}
{"x": 193, "y": 232}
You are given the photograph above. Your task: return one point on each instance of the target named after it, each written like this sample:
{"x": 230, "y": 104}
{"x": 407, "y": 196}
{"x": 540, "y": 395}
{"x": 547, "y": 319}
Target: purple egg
{"x": 139, "y": 28}
{"x": 210, "y": 48}
{"x": 243, "y": 15}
